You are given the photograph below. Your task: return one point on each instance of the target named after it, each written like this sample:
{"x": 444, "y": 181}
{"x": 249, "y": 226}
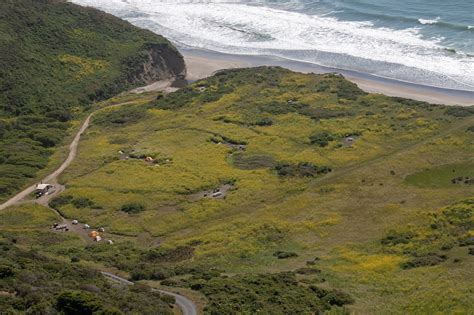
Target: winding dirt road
{"x": 187, "y": 306}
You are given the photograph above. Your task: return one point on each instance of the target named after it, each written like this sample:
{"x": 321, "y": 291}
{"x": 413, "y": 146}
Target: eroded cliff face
{"x": 160, "y": 62}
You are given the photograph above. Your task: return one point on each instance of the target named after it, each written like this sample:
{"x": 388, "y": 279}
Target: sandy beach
{"x": 202, "y": 63}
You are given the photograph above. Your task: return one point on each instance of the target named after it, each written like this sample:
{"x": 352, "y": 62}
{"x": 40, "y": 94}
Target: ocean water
{"x": 429, "y": 42}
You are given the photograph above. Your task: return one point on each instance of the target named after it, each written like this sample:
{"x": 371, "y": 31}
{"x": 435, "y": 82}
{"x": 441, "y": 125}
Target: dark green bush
{"x": 82, "y": 202}
{"x": 322, "y": 86}
{"x": 339, "y": 298}
{"x": 423, "y": 261}
{"x": 458, "y": 111}
{"x": 160, "y": 254}
{"x": 302, "y": 169}
{"x": 6, "y": 271}
{"x": 234, "y": 141}
{"x": 279, "y": 293}
{"x": 321, "y": 139}
{"x": 468, "y": 241}
{"x": 307, "y": 271}
{"x": 394, "y": 238}
{"x": 348, "y": 90}
{"x": 78, "y": 303}
{"x": 60, "y": 201}
{"x": 133, "y": 207}
{"x": 124, "y": 115}
{"x": 265, "y": 121}
{"x": 284, "y": 255}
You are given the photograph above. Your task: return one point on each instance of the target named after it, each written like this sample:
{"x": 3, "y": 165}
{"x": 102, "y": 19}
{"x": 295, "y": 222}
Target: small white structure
{"x": 75, "y": 222}
{"x": 101, "y": 229}
{"x": 110, "y": 242}
{"x": 87, "y": 226}
{"x": 217, "y": 194}
{"x": 98, "y": 238}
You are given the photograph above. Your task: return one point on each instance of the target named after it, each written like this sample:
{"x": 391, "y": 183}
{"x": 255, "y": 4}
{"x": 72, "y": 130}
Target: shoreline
{"x": 203, "y": 63}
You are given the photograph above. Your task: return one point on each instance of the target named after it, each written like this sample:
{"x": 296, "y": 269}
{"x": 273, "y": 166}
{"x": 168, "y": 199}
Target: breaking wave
{"x": 238, "y": 28}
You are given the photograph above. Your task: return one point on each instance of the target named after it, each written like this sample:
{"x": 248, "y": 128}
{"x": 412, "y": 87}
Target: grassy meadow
{"x": 340, "y": 201}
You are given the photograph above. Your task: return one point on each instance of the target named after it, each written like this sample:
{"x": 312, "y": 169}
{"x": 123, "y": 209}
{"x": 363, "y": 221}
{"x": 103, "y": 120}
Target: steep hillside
{"x": 56, "y": 59}
{"x": 278, "y": 192}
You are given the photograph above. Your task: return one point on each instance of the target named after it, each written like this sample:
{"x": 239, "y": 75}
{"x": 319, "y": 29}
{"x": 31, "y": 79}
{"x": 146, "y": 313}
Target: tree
{"x": 78, "y": 303}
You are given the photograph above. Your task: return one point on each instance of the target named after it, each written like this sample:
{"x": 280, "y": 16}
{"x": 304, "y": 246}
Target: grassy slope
{"x": 56, "y": 59}
{"x": 341, "y": 217}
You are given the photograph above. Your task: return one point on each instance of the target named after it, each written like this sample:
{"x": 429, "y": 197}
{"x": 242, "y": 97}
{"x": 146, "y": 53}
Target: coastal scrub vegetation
{"x": 58, "y": 58}
{"x": 256, "y": 217}
{"x": 65, "y": 288}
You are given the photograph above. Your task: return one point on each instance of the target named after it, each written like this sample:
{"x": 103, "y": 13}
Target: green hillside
{"x": 33, "y": 283}
{"x": 56, "y": 59}
{"x": 277, "y": 192}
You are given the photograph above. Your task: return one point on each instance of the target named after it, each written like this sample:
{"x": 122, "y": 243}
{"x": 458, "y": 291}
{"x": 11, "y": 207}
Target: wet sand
{"x": 203, "y": 63}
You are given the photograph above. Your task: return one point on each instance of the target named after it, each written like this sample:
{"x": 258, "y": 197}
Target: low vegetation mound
{"x": 302, "y": 169}
{"x": 321, "y": 139}
{"x": 133, "y": 207}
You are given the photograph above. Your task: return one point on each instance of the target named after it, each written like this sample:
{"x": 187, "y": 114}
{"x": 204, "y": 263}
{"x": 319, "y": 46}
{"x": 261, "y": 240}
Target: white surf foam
{"x": 429, "y": 22}
{"x": 227, "y": 26}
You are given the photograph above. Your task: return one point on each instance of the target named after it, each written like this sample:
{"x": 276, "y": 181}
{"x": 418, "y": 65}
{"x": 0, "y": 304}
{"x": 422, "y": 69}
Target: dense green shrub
{"x": 160, "y": 254}
{"x": 122, "y": 116}
{"x": 394, "y": 238}
{"x": 133, "y": 207}
{"x": 79, "y": 202}
{"x": 265, "y": 121}
{"x": 333, "y": 297}
{"x": 458, "y": 111}
{"x": 82, "y": 202}
{"x": 6, "y": 271}
{"x": 307, "y": 271}
{"x": 467, "y": 241}
{"x": 78, "y": 303}
{"x": 279, "y": 293}
{"x": 284, "y": 255}
{"x": 348, "y": 90}
{"x": 321, "y": 139}
{"x": 302, "y": 169}
{"x": 322, "y": 86}
{"x": 423, "y": 261}
{"x": 60, "y": 201}
{"x": 178, "y": 99}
